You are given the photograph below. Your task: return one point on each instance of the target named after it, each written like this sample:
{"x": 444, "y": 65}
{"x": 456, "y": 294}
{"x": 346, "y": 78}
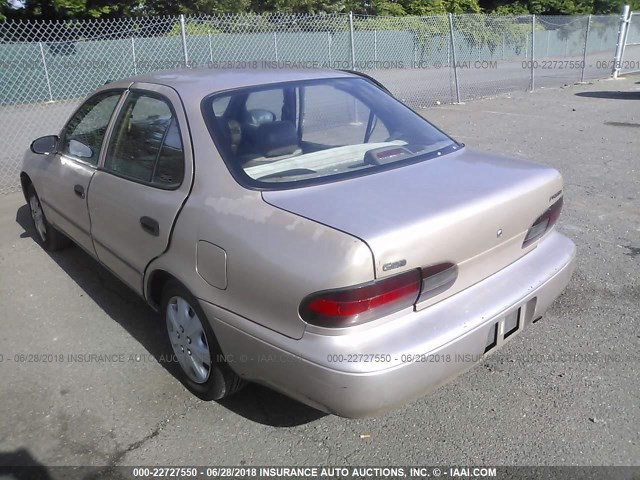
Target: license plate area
{"x": 511, "y": 323}
{"x": 508, "y": 325}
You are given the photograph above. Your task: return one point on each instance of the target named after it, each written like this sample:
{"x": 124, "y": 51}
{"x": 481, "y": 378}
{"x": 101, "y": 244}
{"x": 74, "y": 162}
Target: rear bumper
{"x": 416, "y": 351}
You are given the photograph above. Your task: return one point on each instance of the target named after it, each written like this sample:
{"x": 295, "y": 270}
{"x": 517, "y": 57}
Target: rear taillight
{"x": 350, "y": 306}
{"x": 436, "y": 279}
{"x": 353, "y": 305}
{"x": 543, "y": 223}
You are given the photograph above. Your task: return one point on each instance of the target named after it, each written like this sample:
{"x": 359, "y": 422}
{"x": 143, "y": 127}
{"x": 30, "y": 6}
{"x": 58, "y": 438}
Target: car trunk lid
{"x": 468, "y": 208}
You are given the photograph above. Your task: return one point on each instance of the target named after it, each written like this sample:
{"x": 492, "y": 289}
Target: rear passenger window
{"x": 146, "y": 144}
{"x": 169, "y": 169}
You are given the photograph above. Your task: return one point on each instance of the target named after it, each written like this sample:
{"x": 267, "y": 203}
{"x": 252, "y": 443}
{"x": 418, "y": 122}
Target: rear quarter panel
{"x": 273, "y": 258}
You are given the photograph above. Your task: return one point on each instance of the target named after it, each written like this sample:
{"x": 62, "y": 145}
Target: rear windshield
{"x": 303, "y": 133}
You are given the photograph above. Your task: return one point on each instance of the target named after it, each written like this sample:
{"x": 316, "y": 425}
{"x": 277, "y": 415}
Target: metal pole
{"x": 275, "y": 44}
{"x": 566, "y": 46}
{"x": 375, "y": 49}
{"x": 453, "y": 57}
{"x": 584, "y": 52}
{"x": 46, "y": 72}
{"x": 626, "y": 34}
{"x": 533, "y": 53}
{"x": 356, "y": 121}
{"x": 624, "y": 22}
{"x": 210, "y": 49}
{"x": 183, "y": 32}
{"x": 133, "y": 54}
{"x": 330, "y": 60}
{"x": 548, "y": 41}
{"x": 503, "y": 45}
{"x": 353, "y": 48}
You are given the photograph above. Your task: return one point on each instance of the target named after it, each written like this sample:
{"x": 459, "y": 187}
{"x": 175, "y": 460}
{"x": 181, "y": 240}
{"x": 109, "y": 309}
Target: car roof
{"x": 199, "y": 82}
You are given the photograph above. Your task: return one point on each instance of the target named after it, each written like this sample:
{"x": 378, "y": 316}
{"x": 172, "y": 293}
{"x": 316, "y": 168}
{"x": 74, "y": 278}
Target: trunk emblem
{"x": 499, "y": 233}
{"x": 392, "y": 265}
{"x": 555, "y": 195}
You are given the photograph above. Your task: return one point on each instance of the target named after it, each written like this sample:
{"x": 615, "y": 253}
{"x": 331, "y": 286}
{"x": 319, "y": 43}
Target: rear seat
{"x": 269, "y": 142}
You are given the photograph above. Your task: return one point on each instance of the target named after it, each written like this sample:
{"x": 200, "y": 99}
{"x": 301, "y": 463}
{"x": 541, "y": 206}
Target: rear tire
{"x": 48, "y": 236}
{"x": 202, "y": 367}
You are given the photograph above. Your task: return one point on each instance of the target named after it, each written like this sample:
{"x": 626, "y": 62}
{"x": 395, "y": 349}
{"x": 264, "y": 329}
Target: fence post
{"x": 622, "y": 38}
{"x": 275, "y": 44}
{"x": 210, "y": 48}
{"x": 584, "y": 52}
{"x": 503, "y": 45}
{"x": 329, "y": 43}
{"x": 133, "y": 55}
{"x": 375, "y": 49}
{"x": 353, "y": 48}
{"x": 183, "y": 33}
{"x": 533, "y": 53}
{"x": 626, "y": 34}
{"x": 453, "y": 57}
{"x": 356, "y": 120}
{"x": 46, "y": 72}
{"x": 548, "y": 42}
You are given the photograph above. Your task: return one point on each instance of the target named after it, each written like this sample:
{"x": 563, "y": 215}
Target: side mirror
{"x": 79, "y": 149}
{"x": 45, "y": 145}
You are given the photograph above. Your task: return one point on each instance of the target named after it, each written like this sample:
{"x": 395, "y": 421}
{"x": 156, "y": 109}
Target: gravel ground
{"x": 516, "y": 408}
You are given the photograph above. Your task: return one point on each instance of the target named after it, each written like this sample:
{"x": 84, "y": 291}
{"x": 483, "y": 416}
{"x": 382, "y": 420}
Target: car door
{"x": 142, "y": 182}
{"x": 68, "y": 173}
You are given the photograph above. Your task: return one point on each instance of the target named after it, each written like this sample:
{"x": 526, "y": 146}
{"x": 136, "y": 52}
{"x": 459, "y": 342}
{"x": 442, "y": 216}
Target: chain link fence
{"x": 630, "y": 56}
{"x": 46, "y": 68}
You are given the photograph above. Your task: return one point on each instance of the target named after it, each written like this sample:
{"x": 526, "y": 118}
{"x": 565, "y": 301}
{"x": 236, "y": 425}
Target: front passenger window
{"x": 146, "y": 144}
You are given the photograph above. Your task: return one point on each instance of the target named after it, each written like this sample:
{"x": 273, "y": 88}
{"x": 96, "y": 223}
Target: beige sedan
{"x": 303, "y": 230}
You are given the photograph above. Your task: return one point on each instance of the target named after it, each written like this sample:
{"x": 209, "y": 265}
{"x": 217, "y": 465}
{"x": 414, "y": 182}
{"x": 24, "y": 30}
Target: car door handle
{"x": 150, "y": 226}
{"x": 79, "y": 190}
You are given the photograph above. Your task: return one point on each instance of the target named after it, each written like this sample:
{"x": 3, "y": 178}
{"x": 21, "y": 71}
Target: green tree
{"x": 425, "y": 7}
{"x": 462, "y": 6}
{"x": 65, "y": 9}
{"x": 556, "y": 7}
{"x": 70, "y": 9}
{"x": 295, "y": 6}
{"x": 387, "y": 8}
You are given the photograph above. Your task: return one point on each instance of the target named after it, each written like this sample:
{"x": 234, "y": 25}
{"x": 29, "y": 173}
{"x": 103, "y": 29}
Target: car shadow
{"x": 613, "y": 95}
{"x": 20, "y": 465}
{"x": 255, "y": 402}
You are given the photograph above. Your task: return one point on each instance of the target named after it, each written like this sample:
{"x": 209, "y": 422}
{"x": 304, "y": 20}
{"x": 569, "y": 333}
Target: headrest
{"x": 277, "y": 138}
{"x": 259, "y": 116}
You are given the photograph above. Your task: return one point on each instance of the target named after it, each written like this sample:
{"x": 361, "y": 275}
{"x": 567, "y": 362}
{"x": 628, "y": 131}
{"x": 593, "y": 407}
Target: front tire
{"x": 47, "y": 235}
{"x": 202, "y": 367}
